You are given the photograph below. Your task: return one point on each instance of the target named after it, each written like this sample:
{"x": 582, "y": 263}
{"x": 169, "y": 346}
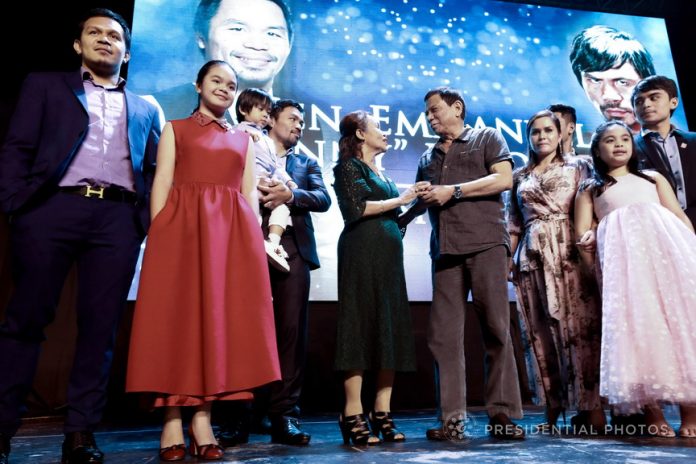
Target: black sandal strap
{"x": 382, "y": 422}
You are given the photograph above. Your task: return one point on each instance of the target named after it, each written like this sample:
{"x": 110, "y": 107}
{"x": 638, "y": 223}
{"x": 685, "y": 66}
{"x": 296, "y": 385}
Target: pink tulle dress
{"x": 648, "y": 266}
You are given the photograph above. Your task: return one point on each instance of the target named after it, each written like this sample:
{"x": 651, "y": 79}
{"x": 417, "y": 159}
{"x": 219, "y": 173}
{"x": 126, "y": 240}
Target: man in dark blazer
{"x": 75, "y": 174}
{"x": 290, "y": 290}
{"x": 660, "y": 145}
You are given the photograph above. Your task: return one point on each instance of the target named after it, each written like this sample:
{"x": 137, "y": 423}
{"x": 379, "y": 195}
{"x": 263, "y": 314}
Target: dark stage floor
{"x": 39, "y": 443}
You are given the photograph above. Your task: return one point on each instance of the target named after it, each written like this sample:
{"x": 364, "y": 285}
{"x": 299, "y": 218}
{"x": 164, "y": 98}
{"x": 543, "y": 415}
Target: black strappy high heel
{"x": 356, "y": 429}
{"x": 382, "y": 422}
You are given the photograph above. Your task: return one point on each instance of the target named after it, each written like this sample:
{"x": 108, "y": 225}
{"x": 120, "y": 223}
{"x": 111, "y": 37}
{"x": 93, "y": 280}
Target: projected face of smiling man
{"x": 254, "y": 37}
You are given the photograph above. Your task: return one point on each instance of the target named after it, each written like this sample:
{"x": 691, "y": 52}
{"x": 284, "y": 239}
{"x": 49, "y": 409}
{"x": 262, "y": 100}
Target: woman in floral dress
{"x": 557, "y": 299}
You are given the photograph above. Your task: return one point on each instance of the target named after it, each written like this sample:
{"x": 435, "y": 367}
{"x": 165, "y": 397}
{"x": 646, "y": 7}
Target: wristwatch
{"x": 457, "y": 194}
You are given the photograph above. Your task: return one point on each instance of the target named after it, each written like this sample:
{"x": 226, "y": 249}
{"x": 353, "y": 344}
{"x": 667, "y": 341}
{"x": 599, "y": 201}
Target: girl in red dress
{"x": 203, "y": 328}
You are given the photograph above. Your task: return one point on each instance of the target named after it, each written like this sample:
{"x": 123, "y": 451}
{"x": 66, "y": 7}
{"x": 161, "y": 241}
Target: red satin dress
{"x": 203, "y": 327}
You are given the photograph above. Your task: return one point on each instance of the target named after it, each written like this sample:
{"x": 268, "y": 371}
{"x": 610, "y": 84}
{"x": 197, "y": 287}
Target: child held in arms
{"x": 253, "y": 113}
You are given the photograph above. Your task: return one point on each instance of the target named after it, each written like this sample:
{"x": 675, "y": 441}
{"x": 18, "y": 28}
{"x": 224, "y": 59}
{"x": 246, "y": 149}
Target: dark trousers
{"x": 290, "y": 297}
{"x": 485, "y": 274}
{"x": 103, "y": 237}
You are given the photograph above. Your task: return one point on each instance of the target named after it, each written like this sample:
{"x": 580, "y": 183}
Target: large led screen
{"x": 508, "y": 59}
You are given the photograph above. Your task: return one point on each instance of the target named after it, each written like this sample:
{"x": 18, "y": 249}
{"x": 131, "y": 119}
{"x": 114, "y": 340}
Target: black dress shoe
{"x": 436, "y": 432}
{"x": 4, "y": 449}
{"x": 285, "y": 430}
{"x": 80, "y": 448}
{"x": 619, "y": 421}
{"x": 500, "y": 426}
{"x": 453, "y": 430}
{"x": 235, "y": 431}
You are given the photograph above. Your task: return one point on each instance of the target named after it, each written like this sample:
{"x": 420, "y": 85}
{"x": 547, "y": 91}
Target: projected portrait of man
{"x": 254, "y": 37}
{"x": 608, "y": 63}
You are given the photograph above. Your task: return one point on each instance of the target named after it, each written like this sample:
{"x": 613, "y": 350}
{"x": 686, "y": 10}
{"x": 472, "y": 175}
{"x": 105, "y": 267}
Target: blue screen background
{"x": 509, "y": 60}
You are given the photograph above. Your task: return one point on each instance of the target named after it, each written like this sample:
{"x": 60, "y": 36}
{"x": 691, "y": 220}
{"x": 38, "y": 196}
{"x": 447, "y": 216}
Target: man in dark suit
{"x": 660, "y": 145}
{"x": 75, "y": 174}
{"x": 290, "y": 290}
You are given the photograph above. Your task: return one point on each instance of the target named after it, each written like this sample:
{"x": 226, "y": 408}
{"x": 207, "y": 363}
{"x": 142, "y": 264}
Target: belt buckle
{"x": 97, "y": 192}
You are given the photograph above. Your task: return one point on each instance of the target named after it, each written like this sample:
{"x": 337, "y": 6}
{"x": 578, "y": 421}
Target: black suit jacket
{"x": 310, "y": 196}
{"x": 46, "y": 131}
{"x": 650, "y": 158}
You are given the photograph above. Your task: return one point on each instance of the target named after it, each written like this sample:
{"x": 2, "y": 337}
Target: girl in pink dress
{"x": 647, "y": 259}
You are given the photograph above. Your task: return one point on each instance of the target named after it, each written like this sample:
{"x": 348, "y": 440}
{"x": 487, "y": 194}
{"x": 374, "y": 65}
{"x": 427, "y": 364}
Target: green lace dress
{"x": 374, "y": 319}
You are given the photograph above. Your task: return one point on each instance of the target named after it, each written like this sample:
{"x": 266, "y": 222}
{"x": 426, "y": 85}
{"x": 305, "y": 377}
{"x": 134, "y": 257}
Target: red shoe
{"x": 209, "y": 452}
{"x": 173, "y": 453}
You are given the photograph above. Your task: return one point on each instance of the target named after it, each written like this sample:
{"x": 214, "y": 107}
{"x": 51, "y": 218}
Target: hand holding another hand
{"x": 408, "y": 195}
{"x": 437, "y": 194}
{"x": 422, "y": 187}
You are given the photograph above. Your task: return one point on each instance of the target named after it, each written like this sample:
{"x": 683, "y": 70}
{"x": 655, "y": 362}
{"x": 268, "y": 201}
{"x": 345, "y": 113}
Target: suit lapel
{"x": 686, "y": 144}
{"x": 656, "y": 160}
{"x": 74, "y": 82}
{"x": 687, "y": 154}
{"x": 290, "y": 163}
{"x": 78, "y": 88}
{"x": 135, "y": 130}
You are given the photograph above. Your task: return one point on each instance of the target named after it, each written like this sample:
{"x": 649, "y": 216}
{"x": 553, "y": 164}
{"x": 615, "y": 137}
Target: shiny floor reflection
{"x": 39, "y": 443}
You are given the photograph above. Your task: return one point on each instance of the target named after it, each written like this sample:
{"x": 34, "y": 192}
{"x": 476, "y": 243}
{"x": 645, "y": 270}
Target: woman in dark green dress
{"x": 374, "y": 320}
